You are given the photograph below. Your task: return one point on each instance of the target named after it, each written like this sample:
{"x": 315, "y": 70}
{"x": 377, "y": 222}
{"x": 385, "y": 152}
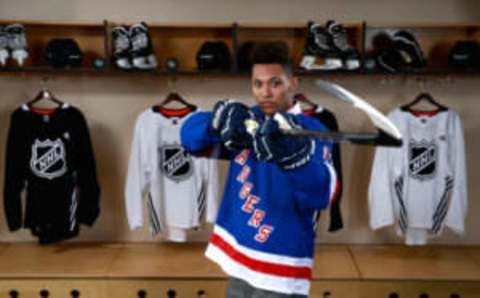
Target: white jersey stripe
{"x": 265, "y": 257}
{"x": 260, "y": 280}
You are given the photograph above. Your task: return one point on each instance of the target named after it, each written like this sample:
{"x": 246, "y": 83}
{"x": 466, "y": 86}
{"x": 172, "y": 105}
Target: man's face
{"x": 273, "y": 88}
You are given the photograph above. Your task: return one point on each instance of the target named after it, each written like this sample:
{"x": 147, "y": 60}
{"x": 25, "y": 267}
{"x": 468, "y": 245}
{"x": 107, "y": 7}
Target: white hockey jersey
{"x": 421, "y": 187}
{"x": 180, "y": 188}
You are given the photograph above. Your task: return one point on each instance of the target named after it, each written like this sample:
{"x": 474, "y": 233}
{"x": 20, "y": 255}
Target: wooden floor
{"x": 113, "y": 270}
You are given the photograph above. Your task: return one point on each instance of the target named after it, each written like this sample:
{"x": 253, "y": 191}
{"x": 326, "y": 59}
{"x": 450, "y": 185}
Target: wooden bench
{"x": 101, "y": 270}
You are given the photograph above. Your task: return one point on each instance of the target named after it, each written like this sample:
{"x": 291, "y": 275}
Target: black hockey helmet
{"x": 464, "y": 54}
{"x": 63, "y": 52}
{"x": 213, "y": 55}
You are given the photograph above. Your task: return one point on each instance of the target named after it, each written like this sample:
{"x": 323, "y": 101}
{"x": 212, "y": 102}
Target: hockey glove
{"x": 289, "y": 152}
{"x": 228, "y": 121}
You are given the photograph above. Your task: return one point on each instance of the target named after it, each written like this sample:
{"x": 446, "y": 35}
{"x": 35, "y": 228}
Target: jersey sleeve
{"x": 315, "y": 184}
{"x": 458, "y": 205}
{"x": 212, "y": 189}
{"x": 138, "y": 176}
{"x": 195, "y": 135}
{"x": 14, "y": 173}
{"x": 197, "y": 139}
{"x": 89, "y": 190}
{"x": 381, "y": 191}
{"x": 336, "y": 222}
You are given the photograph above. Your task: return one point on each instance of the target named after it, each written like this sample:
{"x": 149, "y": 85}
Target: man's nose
{"x": 266, "y": 91}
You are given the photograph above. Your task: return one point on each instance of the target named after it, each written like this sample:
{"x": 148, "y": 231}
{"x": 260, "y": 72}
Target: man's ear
{"x": 293, "y": 83}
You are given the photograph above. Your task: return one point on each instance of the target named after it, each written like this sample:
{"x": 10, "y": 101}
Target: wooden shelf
{"x": 110, "y": 71}
{"x": 182, "y": 41}
{"x": 51, "y": 71}
{"x": 90, "y": 37}
{"x": 427, "y": 72}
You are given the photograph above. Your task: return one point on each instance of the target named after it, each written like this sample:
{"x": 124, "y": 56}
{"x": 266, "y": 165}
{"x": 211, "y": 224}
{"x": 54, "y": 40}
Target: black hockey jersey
{"x": 328, "y": 119}
{"x": 51, "y": 156}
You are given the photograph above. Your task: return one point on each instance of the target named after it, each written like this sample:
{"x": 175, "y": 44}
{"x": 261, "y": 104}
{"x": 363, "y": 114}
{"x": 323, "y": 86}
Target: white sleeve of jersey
{"x": 458, "y": 205}
{"x": 212, "y": 189}
{"x": 137, "y": 177}
{"x": 380, "y": 190}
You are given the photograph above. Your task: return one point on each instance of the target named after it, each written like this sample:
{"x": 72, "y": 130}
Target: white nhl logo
{"x": 48, "y": 159}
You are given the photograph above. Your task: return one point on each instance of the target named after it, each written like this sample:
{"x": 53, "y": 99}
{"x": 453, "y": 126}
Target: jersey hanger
{"x": 44, "y": 94}
{"x": 173, "y": 96}
{"x": 424, "y": 96}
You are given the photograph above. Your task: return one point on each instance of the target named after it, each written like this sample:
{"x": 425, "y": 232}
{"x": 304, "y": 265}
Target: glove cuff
{"x": 299, "y": 158}
{"x": 217, "y": 116}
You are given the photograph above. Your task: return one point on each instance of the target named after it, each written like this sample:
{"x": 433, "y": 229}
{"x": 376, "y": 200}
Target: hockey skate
{"x": 318, "y": 47}
{"x": 121, "y": 47}
{"x": 17, "y": 42}
{"x": 142, "y": 49}
{"x": 4, "y": 54}
{"x": 339, "y": 38}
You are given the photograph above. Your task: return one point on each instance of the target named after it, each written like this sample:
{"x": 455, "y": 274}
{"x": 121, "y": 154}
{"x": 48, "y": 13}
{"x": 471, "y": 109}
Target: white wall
{"x": 249, "y": 11}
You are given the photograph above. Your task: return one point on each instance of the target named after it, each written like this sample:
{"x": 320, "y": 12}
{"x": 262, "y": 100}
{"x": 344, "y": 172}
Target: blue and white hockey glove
{"x": 228, "y": 121}
{"x": 289, "y": 152}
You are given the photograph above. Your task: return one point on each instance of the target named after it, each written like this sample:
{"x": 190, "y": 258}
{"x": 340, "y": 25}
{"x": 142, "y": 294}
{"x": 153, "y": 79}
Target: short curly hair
{"x": 273, "y": 52}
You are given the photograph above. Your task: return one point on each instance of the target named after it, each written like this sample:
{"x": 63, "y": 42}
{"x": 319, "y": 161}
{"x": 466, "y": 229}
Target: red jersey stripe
{"x": 260, "y": 266}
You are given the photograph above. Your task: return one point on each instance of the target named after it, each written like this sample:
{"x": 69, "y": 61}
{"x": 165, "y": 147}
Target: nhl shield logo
{"x": 422, "y": 159}
{"x": 175, "y": 162}
{"x": 48, "y": 159}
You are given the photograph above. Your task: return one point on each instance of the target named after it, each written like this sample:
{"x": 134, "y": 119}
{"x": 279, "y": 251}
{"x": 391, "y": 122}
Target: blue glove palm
{"x": 289, "y": 152}
{"x": 228, "y": 121}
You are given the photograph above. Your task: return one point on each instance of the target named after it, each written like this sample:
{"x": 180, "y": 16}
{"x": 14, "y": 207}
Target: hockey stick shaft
{"x": 376, "y": 139}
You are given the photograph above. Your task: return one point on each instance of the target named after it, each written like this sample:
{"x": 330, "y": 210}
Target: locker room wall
{"x": 266, "y": 11}
{"x": 111, "y": 104}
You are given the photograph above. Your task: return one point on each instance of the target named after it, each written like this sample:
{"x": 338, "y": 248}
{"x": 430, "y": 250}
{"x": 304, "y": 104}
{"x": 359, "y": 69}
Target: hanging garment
{"x": 180, "y": 188}
{"x": 49, "y": 153}
{"x": 421, "y": 187}
{"x": 330, "y": 121}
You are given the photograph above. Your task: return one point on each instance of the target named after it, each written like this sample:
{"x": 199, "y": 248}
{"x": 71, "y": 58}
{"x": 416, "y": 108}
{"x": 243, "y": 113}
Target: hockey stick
{"x": 387, "y": 135}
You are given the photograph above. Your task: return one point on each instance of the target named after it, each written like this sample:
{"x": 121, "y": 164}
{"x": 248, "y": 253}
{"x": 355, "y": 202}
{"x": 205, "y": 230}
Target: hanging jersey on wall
{"x": 422, "y": 186}
{"x": 328, "y": 119}
{"x": 181, "y": 189}
{"x": 50, "y": 154}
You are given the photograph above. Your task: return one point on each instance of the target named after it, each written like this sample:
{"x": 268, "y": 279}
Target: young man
{"x": 263, "y": 237}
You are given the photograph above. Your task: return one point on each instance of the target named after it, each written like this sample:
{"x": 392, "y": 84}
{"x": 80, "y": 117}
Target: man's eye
{"x": 276, "y": 83}
{"x": 257, "y": 84}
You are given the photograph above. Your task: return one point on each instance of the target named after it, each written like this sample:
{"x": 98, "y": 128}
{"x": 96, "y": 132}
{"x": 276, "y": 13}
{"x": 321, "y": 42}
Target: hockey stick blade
{"x": 377, "y": 139}
{"x": 387, "y": 130}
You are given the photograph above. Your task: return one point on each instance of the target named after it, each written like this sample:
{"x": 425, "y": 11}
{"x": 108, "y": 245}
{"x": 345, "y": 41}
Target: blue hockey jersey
{"x": 264, "y": 229}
